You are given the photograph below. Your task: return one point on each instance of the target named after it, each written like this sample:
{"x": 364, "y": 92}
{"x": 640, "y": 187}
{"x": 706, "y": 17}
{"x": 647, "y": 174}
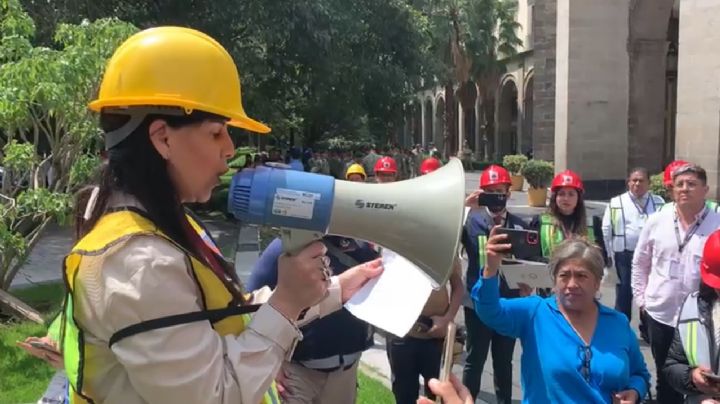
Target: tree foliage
{"x": 49, "y": 139}
{"x": 318, "y": 69}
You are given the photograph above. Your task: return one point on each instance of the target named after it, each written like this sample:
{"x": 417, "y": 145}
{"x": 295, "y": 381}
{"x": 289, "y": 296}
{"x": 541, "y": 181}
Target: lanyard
{"x": 691, "y": 231}
{"x": 643, "y": 211}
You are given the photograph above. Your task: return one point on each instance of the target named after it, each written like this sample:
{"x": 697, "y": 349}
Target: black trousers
{"x": 623, "y": 290}
{"x": 480, "y": 339}
{"x": 661, "y": 337}
{"x": 410, "y": 358}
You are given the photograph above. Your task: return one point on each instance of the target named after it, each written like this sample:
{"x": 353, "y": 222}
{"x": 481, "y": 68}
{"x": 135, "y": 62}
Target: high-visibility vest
{"x": 711, "y": 205}
{"x": 111, "y": 230}
{"x": 695, "y": 339}
{"x": 617, "y": 217}
{"x": 551, "y": 235}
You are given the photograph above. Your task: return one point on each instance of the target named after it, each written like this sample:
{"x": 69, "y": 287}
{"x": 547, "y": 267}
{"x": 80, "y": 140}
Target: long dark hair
{"x": 576, "y": 222}
{"x": 136, "y": 168}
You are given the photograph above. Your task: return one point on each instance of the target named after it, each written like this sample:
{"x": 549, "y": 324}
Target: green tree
{"x": 49, "y": 139}
{"x": 318, "y": 69}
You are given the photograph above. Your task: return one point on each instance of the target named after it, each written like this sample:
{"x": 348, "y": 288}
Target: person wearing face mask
{"x": 153, "y": 313}
{"x": 624, "y": 218}
{"x": 480, "y": 337}
{"x": 666, "y": 264}
{"x": 692, "y": 358}
{"x": 575, "y": 350}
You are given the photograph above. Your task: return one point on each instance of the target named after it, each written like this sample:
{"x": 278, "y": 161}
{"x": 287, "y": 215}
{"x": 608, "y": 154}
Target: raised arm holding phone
{"x": 588, "y": 352}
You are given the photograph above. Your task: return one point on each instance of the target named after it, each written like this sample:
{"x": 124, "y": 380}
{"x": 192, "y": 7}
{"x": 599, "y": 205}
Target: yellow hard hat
{"x": 355, "y": 169}
{"x": 175, "y": 67}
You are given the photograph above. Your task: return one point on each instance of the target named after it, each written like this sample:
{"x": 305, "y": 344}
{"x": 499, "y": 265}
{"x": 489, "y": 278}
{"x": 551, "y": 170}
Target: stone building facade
{"x": 598, "y": 87}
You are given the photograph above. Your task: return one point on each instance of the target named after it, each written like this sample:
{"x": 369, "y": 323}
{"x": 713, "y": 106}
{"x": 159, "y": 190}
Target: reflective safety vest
{"x": 711, "y": 205}
{"x": 617, "y": 218}
{"x": 115, "y": 228}
{"x": 551, "y": 235}
{"x": 482, "y": 254}
{"x": 695, "y": 338}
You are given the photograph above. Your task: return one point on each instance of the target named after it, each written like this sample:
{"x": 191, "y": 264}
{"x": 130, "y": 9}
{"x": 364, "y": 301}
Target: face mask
{"x": 496, "y": 209}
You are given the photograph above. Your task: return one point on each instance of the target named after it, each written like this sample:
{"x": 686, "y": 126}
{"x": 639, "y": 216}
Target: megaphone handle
{"x": 294, "y": 240}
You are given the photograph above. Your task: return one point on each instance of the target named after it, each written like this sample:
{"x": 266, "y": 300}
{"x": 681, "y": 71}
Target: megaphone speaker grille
{"x": 239, "y": 198}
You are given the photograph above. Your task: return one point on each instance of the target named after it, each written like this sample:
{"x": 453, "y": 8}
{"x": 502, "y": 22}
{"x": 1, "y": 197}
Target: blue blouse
{"x": 557, "y": 366}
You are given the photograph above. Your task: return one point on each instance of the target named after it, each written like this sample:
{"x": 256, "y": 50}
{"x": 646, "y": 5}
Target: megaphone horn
{"x": 420, "y": 218}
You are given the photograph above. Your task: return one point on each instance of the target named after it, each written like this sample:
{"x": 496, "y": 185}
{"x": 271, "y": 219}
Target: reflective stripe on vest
{"x": 712, "y": 205}
{"x": 551, "y": 235}
{"x": 693, "y": 333}
{"x": 112, "y": 230}
{"x": 482, "y": 254}
{"x": 694, "y": 337}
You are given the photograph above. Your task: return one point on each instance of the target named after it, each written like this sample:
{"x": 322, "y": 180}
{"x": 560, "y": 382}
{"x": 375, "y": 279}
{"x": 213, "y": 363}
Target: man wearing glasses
{"x": 666, "y": 263}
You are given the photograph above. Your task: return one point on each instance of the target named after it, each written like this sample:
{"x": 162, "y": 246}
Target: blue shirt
{"x": 296, "y": 165}
{"x": 553, "y": 354}
{"x": 339, "y": 333}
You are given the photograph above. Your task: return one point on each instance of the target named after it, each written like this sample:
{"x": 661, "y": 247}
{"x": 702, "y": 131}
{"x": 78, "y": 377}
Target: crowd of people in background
{"x": 335, "y": 162}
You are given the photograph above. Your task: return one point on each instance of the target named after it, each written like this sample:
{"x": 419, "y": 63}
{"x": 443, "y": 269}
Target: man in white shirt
{"x": 622, "y": 223}
{"x": 666, "y": 264}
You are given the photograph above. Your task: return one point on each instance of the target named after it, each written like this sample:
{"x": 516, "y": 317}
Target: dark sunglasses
{"x": 586, "y": 358}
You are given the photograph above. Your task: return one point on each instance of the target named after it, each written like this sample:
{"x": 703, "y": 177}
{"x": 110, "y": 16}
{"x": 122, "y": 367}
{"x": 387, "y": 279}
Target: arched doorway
{"x": 527, "y": 137}
{"x": 417, "y": 124}
{"x": 428, "y": 122}
{"x": 507, "y": 120}
{"x": 439, "y": 131}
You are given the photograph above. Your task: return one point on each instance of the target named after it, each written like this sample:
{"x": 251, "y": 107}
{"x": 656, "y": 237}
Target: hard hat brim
{"x": 709, "y": 278}
{"x": 236, "y": 119}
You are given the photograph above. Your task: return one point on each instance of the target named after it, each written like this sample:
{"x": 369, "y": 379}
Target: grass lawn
{"x": 372, "y": 391}
{"x": 23, "y": 379}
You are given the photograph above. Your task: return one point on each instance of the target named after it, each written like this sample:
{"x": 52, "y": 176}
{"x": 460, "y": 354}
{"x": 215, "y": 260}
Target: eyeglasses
{"x": 586, "y": 358}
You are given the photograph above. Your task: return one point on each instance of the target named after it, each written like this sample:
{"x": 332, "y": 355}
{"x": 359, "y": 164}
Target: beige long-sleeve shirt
{"x": 147, "y": 278}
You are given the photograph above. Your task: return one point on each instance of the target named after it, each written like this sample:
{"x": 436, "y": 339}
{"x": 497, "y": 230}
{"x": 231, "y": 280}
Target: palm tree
{"x": 468, "y": 38}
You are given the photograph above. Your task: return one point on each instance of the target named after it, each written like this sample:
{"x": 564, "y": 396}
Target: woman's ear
{"x": 159, "y": 137}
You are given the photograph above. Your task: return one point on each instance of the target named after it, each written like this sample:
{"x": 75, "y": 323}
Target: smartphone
{"x": 446, "y": 361}
{"x": 712, "y": 377}
{"x": 492, "y": 200}
{"x": 525, "y": 243}
{"x": 43, "y": 345}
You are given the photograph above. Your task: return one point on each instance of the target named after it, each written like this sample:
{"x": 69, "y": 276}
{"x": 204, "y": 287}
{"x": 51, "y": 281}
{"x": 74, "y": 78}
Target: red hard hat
{"x": 710, "y": 263}
{"x": 494, "y": 175}
{"x": 386, "y": 165}
{"x": 667, "y": 176}
{"x": 429, "y": 165}
{"x": 567, "y": 178}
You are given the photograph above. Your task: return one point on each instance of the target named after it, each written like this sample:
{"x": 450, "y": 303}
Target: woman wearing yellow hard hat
{"x": 153, "y": 313}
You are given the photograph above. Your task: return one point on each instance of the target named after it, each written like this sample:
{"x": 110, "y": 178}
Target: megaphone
{"x": 419, "y": 218}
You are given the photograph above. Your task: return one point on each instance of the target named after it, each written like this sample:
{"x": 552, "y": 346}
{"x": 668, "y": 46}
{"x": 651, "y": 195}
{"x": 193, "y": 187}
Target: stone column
{"x": 544, "y": 51}
{"x": 591, "y": 93}
{"x": 698, "y": 110}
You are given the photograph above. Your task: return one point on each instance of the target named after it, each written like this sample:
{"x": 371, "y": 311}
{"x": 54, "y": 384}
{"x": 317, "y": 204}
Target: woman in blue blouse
{"x": 575, "y": 350}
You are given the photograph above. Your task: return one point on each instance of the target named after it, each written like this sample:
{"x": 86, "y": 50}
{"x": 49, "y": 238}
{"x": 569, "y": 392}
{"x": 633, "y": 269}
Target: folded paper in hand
{"x": 532, "y": 273}
{"x": 394, "y": 300}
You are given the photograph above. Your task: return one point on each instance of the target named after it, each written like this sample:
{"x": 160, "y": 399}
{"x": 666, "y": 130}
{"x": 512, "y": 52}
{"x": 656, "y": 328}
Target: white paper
{"x": 533, "y": 274}
{"x": 394, "y": 300}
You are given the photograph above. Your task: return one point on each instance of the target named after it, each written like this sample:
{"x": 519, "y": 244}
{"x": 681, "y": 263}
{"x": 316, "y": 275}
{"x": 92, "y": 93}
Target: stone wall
{"x": 698, "y": 116}
{"x": 544, "y": 36}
